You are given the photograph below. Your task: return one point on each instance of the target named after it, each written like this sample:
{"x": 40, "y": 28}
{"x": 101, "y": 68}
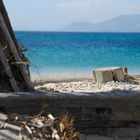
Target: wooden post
{"x": 23, "y": 68}
{"x": 8, "y": 70}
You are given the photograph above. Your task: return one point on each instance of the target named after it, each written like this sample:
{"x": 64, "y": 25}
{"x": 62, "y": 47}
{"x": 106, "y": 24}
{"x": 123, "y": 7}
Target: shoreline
{"x": 60, "y": 77}
{"x": 78, "y": 83}
{"x": 64, "y": 77}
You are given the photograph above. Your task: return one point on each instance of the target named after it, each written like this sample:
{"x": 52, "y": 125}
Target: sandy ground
{"x": 60, "y": 77}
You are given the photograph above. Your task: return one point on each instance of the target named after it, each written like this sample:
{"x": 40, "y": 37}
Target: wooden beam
{"x": 113, "y": 109}
{"x": 10, "y": 42}
{"x": 7, "y": 21}
{"x": 8, "y": 70}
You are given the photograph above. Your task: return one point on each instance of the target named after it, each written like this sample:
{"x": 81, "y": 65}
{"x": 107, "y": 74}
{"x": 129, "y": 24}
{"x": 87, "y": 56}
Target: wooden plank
{"x": 92, "y": 112}
{"x": 84, "y": 107}
{"x": 8, "y": 70}
{"x": 7, "y": 21}
{"x": 23, "y": 68}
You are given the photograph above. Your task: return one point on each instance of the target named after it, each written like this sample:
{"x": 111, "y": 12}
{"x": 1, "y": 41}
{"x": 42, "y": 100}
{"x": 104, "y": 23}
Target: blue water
{"x": 81, "y": 52}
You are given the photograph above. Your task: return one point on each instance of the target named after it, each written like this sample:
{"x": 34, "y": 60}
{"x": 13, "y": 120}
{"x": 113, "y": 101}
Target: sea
{"x": 73, "y": 52}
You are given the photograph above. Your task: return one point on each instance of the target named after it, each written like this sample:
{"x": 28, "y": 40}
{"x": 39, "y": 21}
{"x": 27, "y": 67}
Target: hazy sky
{"x": 55, "y": 14}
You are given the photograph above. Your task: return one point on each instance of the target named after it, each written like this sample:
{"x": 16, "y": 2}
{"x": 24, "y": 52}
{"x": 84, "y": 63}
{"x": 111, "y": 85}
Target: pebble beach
{"x": 88, "y": 86}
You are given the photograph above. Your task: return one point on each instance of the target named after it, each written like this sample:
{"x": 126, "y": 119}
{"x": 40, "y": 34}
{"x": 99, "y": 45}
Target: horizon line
{"x": 72, "y": 31}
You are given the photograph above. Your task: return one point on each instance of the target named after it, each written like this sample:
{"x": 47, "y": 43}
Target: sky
{"x": 53, "y": 15}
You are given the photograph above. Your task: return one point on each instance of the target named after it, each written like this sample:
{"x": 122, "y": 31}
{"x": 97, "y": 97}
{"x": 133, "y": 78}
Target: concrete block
{"x": 108, "y": 74}
{"x": 103, "y": 75}
{"x": 118, "y": 74}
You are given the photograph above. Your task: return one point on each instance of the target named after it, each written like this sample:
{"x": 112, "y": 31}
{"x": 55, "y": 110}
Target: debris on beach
{"x": 104, "y": 75}
{"x": 40, "y": 127}
{"x": 117, "y": 74}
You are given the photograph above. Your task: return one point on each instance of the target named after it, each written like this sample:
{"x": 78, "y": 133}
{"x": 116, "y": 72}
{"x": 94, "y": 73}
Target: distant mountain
{"x": 79, "y": 26}
{"x": 123, "y": 23}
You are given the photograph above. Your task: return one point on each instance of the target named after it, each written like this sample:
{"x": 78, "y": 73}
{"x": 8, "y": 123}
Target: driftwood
{"x": 11, "y": 127}
{"x": 115, "y": 113}
{"x": 17, "y": 57}
{"x": 8, "y": 70}
{"x": 7, "y": 21}
{"x": 93, "y": 112}
{"x": 3, "y": 117}
{"x": 14, "y": 66}
{"x": 50, "y": 128}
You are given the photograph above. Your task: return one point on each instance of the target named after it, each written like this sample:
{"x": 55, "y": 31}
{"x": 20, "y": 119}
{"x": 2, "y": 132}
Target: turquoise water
{"x": 81, "y": 52}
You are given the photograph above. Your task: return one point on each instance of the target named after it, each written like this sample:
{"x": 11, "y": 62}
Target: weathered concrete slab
{"x": 104, "y": 75}
{"x": 118, "y": 74}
